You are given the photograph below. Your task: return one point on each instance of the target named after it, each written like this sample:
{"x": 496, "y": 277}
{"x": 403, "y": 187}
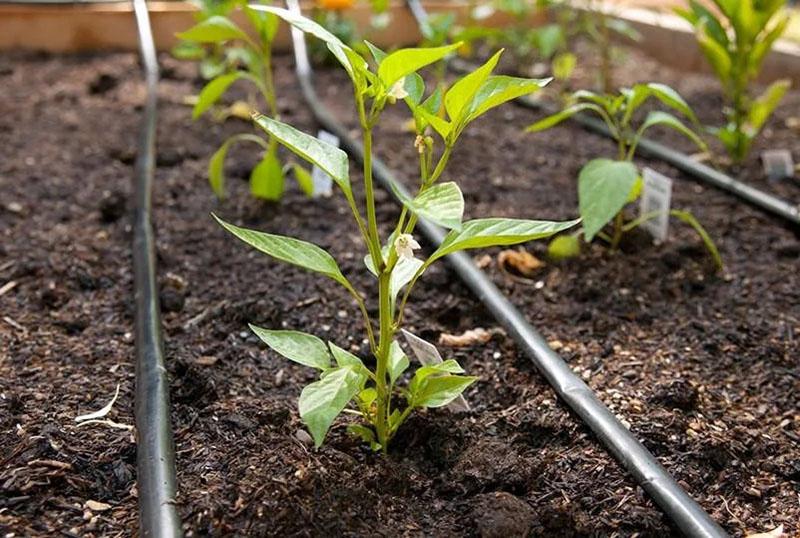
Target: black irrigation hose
{"x": 648, "y": 472}
{"x": 155, "y": 456}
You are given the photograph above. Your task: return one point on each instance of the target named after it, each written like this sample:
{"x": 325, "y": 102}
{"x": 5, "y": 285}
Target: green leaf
{"x": 564, "y": 247}
{"x": 563, "y": 65}
{"x": 290, "y": 250}
{"x": 304, "y": 180}
{"x": 762, "y": 47}
{"x": 345, "y": 358}
{"x": 460, "y": 95}
{"x": 302, "y": 348}
{"x": 362, "y": 432}
{"x": 213, "y": 30}
{"x": 657, "y": 117}
{"x": 403, "y": 62}
{"x": 326, "y": 156}
{"x": 216, "y": 175}
{"x": 500, "y": 89}
{"x": 404, "y": 271}
{"x": 482, "y": 233}
{"x": 398, "y": 362}
{"x": 216, "y": 170}
{"x": 186, "y": 50}
{"x": 351, "y": 62}
{"x": 266, "y": 180}
{"x": 558, "y": 117}
{"x": 440, "y": 125}
{"x": 716, "y": 54}
{"x": 765, "y": 105}
{"x": 377, "y": 54}
{"x": 603, "y": 188}
{"x": 663, "y": 93}
{"x": 322, "y": 401}
{"x": 442, "y": 204}
{"x": 439, "y": 391}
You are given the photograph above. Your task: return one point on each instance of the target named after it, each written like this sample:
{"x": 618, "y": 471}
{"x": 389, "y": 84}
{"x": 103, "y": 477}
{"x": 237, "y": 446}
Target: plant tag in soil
{"x": 778, "y": 164}
{"x": 322, "y": 182}
{"x": 427, "y": 354}
{"x": 656, "y": 197}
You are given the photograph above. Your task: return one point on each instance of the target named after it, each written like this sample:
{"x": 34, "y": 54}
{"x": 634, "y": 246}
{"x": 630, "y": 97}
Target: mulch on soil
{"x": 702, "y": 366}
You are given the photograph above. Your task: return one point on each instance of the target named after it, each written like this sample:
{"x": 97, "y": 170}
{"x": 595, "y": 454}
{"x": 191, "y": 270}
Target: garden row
{"x": 698, "y": 363}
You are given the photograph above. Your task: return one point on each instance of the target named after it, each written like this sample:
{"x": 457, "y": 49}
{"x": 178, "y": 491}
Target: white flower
{"x": 405, "y": 244}
{"x": 397, "y": 91}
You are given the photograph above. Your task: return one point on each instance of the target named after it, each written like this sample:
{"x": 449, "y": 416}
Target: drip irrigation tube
{"x": 688, "y": 516}
{"x": 155, "y": 457}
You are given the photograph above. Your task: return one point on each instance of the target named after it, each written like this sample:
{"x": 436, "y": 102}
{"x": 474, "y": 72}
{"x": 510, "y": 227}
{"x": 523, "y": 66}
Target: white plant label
{"x": 322, "y": 182}
{"x": 778, "y": 164}
{"x": 656, "y": 197}
{"x": 427, "y": 354}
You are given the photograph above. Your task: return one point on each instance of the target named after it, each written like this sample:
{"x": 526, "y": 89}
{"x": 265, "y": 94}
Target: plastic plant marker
{"x": 656, "y": 198}
{"x": 778, "y": 164}
{"x": 427, "y": 354}
{"x": 321, "y": 181}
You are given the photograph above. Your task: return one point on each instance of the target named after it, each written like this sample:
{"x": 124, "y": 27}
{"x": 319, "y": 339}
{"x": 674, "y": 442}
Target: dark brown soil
{"x": 703, "y": 367}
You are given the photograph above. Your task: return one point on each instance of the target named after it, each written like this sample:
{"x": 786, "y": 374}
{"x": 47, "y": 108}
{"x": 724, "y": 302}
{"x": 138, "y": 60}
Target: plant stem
{"x": 386, "y": 334}
{"x": 369, "y": 196}
{"x": 618, "y": 229}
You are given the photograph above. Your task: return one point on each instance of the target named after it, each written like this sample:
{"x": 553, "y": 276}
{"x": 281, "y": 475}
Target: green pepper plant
{"x": 376, "y": 395}
{"x": 253, "y": 52}
{"x": 735, "y": 40}
{"x": 606, "y": 186}
{"x": 211, "y": 57}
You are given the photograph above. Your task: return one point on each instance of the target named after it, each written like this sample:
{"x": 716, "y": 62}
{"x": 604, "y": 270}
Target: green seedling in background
{"x": 211, "y": 57}
{"x": 606, "y": 186}
{"x": 253, "y": 54}
{"x": 379, "y": 395}
{"x": 735, "y": 42}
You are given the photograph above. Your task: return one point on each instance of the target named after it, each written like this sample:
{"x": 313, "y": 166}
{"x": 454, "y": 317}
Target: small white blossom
{"x": 405, "y": 244}
{"x": 398, "y": 91}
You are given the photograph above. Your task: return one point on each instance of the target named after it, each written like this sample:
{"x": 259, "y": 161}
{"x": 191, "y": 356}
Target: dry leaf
{"x": 102, "y": 412}
{"x": 519, "y": 262}
{"x": 777, "y": 532}
{"x": 468, "y": 338}
{"x": 96, "y": 506}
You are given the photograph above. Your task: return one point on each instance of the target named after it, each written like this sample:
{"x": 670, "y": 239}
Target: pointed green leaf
{"x": 481, "y": 233}
{"x": 377, "y": 54}
{"x": 345, "y": 358}
{"x": 500, "y": 89}
{"x": 403, "y": 62}
{"x": 460, "y": 95}
{"x": 398, "y": 362}
{"x": 440, "y": 125}
{"x": 303, "y": 178}
{"x": 657, "y": 117}
{"x": 322, "y": 401}
{"x": 213, "y": 30}
{"x": 212, "y": 91}
{"x": 302, "y": 348}
{"x": 351, "y": 62}
{"x": 558, "y": 117}
{"x": 290, "y": 250}
{"x": 403, "y": 272}
{"x": 326, "y": 156}
{"x": 442, "y": 204}
{"x": 439, "y": 391}
{"x": 266, "y": 180}
{"x": 765, "y": 105}
{"x": 603, "y": 189}
{"x": 216, "y": 175}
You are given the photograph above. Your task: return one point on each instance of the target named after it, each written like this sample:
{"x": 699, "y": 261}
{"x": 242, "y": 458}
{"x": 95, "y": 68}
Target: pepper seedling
{"x": 378, "y": 395}
{"x": 606, "y": 186}
{"x": 735, "y": 40}
{"x": 250, "y": 60}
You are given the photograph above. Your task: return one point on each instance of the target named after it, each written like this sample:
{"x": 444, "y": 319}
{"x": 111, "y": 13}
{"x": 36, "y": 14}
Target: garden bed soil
{"x": 703, "y": 367}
